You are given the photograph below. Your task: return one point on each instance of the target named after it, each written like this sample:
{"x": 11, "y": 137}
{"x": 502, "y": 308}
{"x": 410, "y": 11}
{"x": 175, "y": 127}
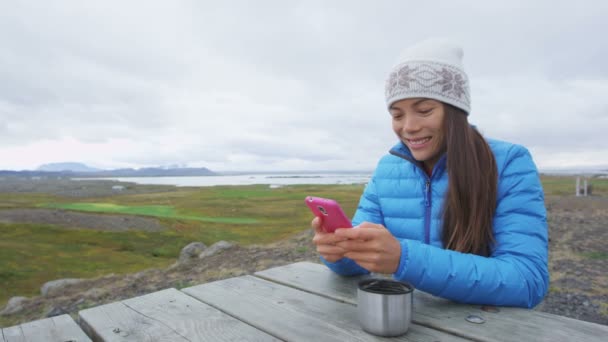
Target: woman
{"x": 452, "y": 213}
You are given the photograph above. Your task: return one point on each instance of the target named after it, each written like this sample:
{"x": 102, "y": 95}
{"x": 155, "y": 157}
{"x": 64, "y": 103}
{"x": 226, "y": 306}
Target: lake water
{"x": 280, "y": 179}
{"x": 270, "y": 179}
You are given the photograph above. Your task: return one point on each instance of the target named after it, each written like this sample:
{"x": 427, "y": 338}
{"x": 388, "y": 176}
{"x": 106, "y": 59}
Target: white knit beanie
{"x": 431, "y": 69}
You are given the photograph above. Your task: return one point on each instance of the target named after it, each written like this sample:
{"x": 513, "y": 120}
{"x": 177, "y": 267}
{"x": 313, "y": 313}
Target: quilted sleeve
{"x": 516, "y": 273}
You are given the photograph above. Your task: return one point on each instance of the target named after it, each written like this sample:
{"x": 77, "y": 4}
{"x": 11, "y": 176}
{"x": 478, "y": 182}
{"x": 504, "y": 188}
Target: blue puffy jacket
{"x": 403, "y": 198}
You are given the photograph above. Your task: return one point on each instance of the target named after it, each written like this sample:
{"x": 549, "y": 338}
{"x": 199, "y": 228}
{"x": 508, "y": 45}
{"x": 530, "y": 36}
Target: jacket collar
{"x": 402, "y": 151}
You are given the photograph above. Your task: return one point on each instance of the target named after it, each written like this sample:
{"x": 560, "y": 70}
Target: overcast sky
{"x": 286, "y": 85}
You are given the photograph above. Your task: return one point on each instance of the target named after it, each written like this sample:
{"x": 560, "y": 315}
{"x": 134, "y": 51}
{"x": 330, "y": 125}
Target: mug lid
{"x": 385, "y": 286}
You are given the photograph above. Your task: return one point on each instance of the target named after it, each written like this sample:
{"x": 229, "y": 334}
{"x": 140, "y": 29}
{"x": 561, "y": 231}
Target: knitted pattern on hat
{"x": 431, "y": 69}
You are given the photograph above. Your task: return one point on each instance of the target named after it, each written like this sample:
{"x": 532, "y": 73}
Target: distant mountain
{"x": 74, "y": 167}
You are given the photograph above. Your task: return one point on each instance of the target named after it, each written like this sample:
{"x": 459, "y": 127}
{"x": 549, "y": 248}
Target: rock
{"x": 55, "y": 286}
{"x": 191, "y": 251}
{"x": 15, "y": 304}
{"x": 56, "y": 311}
{"x": 216, "y": 247}
{"x": 94, "y": 293}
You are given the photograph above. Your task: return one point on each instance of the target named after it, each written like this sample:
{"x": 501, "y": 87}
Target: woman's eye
{"x": 427, "y": 111}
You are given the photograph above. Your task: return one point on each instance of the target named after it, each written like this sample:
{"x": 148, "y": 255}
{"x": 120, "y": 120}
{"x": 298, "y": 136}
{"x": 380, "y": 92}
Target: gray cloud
{"x": 275, "y": 84}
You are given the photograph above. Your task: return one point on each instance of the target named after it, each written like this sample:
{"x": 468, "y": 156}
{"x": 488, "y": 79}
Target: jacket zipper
{"x": 427, "y": 198}
{"x": 427, "y": 212}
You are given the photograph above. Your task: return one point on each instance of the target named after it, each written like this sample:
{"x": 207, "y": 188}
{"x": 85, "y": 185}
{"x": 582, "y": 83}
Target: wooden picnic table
{"x": 298, "y": 302}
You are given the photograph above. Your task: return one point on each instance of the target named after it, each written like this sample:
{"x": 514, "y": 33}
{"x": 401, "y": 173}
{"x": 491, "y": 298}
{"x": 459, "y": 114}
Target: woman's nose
{"x": 410, "y": 124}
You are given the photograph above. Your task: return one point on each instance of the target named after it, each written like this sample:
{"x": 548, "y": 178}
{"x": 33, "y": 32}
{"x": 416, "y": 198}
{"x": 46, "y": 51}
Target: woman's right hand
{"x": 326, "y": 242}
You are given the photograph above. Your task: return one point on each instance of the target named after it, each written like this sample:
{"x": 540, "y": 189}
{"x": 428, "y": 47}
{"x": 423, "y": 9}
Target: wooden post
{"x": 585, "y": 188}
{"x": 578, "y": 186}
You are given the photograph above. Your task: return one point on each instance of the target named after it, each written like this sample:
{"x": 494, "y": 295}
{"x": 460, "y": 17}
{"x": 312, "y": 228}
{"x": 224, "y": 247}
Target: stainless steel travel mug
{"x": 384, "y": 306}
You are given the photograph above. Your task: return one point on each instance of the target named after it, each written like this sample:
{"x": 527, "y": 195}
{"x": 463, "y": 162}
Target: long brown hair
{"x": 470, "y": 200}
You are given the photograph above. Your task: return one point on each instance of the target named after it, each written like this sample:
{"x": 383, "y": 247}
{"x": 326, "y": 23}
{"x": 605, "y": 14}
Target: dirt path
{"x": 76, "y": 220}
{"x": 77, "y": 188}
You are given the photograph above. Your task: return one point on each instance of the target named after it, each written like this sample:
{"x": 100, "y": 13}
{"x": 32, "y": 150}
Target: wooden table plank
{"x": 167, "y": 315}
{"x": 60, "y": 328}
{"x": 13, "y": 334}
{"x": 294, "y": 315}
{"x": 509, "y": 324}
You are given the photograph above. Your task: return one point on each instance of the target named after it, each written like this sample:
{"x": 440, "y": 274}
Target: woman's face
{"x": 418, "y": 122}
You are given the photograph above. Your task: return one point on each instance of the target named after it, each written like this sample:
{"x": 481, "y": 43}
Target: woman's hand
{"x": 326, "y": 242}
{"x": 371, "y": 246}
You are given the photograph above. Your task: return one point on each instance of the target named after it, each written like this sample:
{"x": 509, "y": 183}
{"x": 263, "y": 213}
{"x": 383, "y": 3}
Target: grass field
{"x": 565, "y": 185}
{"x": 33, "y": 254}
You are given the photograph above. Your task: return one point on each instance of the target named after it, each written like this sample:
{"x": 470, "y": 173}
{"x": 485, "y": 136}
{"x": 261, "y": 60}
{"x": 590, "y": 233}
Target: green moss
{"x": 301, "y": 249}
{"x": 596, "y": 255}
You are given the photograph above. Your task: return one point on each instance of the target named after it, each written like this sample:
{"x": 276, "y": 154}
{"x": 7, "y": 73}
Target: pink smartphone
{"x": 331, "y": 214}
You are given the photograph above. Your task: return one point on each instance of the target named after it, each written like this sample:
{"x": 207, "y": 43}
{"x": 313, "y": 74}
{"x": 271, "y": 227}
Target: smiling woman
{"x": 419, "y": 125}
{"x": 454, "y": 214}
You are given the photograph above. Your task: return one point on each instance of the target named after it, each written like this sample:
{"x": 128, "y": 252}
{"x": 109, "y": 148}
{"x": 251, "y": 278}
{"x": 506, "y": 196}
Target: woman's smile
{"x": 418, "y": 143}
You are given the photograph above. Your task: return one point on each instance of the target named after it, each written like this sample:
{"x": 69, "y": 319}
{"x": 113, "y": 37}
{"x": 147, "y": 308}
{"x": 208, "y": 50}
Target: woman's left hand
{"x": 372, "y": 247}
